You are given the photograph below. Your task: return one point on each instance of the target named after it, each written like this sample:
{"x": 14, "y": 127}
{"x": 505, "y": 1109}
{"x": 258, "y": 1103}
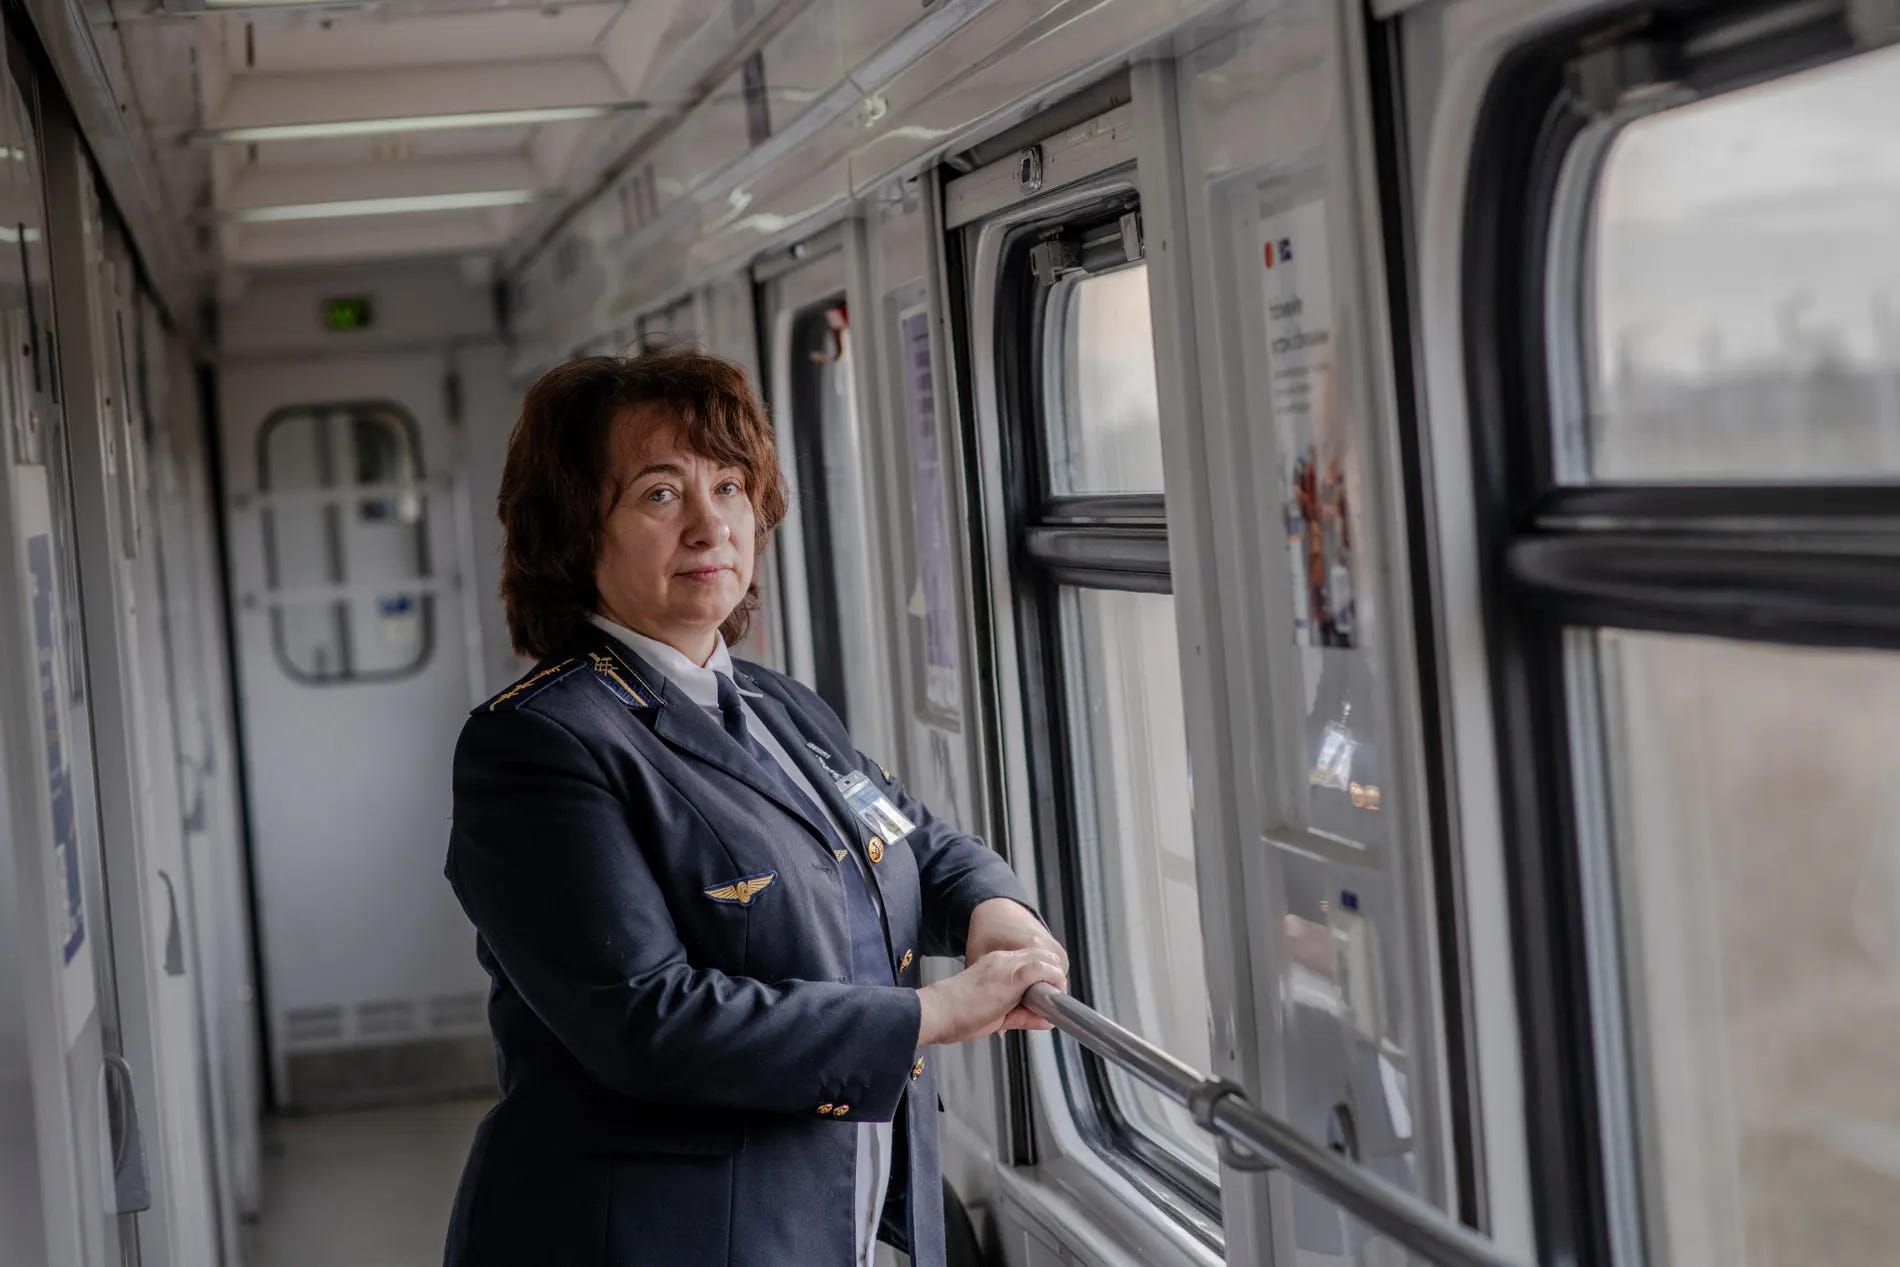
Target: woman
{"x": 701, "y": 906}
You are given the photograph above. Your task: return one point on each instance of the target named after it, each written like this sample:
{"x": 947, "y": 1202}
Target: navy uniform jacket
{"x": 683, "y": 1063}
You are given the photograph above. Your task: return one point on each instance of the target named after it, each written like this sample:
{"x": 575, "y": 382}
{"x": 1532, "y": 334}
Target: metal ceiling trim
{"x": 126, "y": 165}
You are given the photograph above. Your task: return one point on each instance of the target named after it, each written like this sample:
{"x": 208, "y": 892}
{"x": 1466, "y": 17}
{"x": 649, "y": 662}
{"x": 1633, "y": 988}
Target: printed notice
{"x": 1303, "y": 393}
{"x": 936, "y": 575}
{"x": 76, "y": 983}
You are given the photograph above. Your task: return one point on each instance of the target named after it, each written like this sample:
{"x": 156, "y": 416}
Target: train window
{"x": 1744, "y": 286}
{"x": 344, "y": 541}
{"x": 1095, "y": 605}
{"x": 1694, "y": 761}
{"x": 1107, "y": 434}
{"x": 1128, "y": 740}
{"x": 831, "y": 498}
{"x": 1752, "y": 801}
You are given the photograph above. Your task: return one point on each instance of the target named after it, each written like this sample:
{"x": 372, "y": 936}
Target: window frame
{"x": 824, "y": 602}
{"x": 334, "y": 497}
{"x": 1793, "y": 564}
{"x": 1056, "y": 541}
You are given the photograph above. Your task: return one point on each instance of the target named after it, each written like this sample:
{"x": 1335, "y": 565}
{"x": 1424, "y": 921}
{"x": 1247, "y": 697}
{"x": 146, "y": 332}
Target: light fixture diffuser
{"x": 407, "y": 123}
{"x": 381, "y": 206}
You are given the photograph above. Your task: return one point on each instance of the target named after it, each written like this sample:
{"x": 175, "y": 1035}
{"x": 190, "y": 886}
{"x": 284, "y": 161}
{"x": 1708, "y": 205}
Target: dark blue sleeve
{"x": 547, "y": 862}
{"x": 957, "y": 872}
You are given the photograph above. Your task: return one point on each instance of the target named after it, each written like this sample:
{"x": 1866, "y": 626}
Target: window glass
{"x": 1136, "y": 843}
{"x": 831, "y": 503}
{"x": 344, "y": 513}
{"x": 1106, "y": 437}
{"x": 1745, "y": 286}
{"x": 1754, "y": 809}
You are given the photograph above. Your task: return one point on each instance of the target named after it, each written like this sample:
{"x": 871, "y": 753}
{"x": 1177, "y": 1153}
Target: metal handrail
{"x": 1251, "y": 1138}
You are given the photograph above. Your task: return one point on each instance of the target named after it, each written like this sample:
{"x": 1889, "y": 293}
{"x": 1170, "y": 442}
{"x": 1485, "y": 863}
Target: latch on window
{"x": 1622, "y": 72}
{"x": 1097, "y": 249}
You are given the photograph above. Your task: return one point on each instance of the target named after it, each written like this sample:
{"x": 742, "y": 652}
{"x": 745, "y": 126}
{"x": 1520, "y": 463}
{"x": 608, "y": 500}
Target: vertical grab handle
{"x": 131, "y": 1182}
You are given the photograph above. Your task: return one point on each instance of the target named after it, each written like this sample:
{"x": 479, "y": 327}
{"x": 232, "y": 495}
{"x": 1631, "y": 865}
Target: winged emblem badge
{"x": 740, "y": 892}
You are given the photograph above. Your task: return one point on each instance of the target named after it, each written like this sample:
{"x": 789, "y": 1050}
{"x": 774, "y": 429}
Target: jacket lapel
{"x": 778, "y": 718}
{"x": 688, "y": 728}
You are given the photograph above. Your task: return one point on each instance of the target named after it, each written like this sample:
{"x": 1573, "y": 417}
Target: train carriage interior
{"x": 1384, "y": 513}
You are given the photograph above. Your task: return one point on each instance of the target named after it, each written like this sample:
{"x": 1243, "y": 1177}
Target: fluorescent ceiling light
{"x": 273, "y": 4}
{"x": 409, "y": 123}
{"x": 382, "y": 206}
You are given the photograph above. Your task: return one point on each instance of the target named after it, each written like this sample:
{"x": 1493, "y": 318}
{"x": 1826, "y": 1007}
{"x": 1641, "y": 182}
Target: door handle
{"x": 174, "y": 941}
{"x": 131, "y": 1182}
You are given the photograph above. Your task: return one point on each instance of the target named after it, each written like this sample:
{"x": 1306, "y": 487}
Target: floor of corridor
{"x": 361, "y": 1189}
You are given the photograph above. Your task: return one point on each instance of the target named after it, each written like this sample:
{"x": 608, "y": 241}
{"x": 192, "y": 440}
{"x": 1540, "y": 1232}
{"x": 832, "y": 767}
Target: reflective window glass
{"x": 1744, "y": 286}
{"x": 1753, "y": 808}
{"x": 1135, "y": 843}
{"x": 1106, "y": 435}
{"x": 831, "y": 506}
{"x": 344, "y": 541}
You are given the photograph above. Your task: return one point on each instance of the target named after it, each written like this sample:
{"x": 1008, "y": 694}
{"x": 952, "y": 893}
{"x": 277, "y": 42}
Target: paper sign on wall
{"x": 1303, "y": 391}
{"x": 76, "y": 983}
{"x": 936, "y": 574}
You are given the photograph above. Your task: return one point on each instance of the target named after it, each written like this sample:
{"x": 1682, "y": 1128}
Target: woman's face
{"x": 677, "y": 543}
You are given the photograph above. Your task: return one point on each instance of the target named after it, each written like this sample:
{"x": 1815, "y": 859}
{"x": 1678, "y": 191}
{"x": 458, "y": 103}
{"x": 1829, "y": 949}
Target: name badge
{"x": 874, "y": 808}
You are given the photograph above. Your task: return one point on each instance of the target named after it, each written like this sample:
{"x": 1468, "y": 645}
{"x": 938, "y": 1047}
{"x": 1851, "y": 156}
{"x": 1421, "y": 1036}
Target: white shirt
{"x": 700, "y": 684}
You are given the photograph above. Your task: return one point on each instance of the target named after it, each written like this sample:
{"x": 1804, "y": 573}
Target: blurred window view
{"x": 1106, "y": 437}
{"x": 1753, "y": 822}
{"x": 1128, "y": 735}
{"x": 1744, "y": 286}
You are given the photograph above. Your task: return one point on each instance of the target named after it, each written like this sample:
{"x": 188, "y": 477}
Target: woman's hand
{"x": 1002, "y": 924}
{"x": 986, "y": 997}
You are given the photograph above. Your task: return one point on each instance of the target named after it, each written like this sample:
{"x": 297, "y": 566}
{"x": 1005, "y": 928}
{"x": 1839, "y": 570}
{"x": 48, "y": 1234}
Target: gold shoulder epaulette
{"x": 532, "y": 685}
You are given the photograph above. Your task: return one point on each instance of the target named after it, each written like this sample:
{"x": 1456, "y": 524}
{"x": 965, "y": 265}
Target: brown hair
{"x": 555, "y": 479}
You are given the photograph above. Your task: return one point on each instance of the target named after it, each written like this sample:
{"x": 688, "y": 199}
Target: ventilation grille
{"x": 403, "y": 1072}
{"x": 380, "y": 1019}
{"x": 458, "y": 1011}
{"x": 385, "y": 1017}
{"x": 313, "y": 1025}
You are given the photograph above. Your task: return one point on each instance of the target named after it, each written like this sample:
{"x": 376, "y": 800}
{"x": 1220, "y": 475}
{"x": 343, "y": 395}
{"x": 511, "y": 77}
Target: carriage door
{"x": 67, "y": 1108}
{"x": 355, "y": 677}
{"x": 831, "y": 592}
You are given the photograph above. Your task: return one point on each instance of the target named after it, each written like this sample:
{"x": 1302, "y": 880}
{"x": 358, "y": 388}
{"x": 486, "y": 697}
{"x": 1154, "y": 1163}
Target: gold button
{"x": 824, "y": 1108}
{"x": 841, "y": 1110}
{"x": 905, "y": 962}
{"x": 917, "y": 1070}
{"x": 875, "y": 849}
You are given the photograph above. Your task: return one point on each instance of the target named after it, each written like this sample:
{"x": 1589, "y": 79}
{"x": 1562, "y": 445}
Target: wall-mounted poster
{"x": 1303, "y": 391}
{"x": 1303, "y": 377}
{"x": 76, "y": 983}
{"x": 935, "y": 598}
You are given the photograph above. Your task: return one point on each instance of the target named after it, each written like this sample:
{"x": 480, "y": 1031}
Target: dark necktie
{"x": 870, "y": 956}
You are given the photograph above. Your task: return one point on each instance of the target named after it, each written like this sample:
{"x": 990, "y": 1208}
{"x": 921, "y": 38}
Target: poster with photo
{"x": 1304, "y": 401}
{"x": 935, "y": 598}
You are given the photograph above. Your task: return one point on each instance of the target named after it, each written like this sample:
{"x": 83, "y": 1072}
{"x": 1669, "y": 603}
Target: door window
{"x": 344, "y": 512}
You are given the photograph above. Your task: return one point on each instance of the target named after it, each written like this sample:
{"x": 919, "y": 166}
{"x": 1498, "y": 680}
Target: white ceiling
{"x": 279, "y": 66}
{"x": 348, "y": 39}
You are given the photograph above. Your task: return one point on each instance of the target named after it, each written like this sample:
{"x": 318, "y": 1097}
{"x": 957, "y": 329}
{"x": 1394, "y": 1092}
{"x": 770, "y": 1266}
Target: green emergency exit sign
{"x": 351, "y": 312}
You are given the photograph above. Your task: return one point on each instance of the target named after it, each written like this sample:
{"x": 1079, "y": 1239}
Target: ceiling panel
{"x": 399, "y": 148}
{"x": 353, "y": 39}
